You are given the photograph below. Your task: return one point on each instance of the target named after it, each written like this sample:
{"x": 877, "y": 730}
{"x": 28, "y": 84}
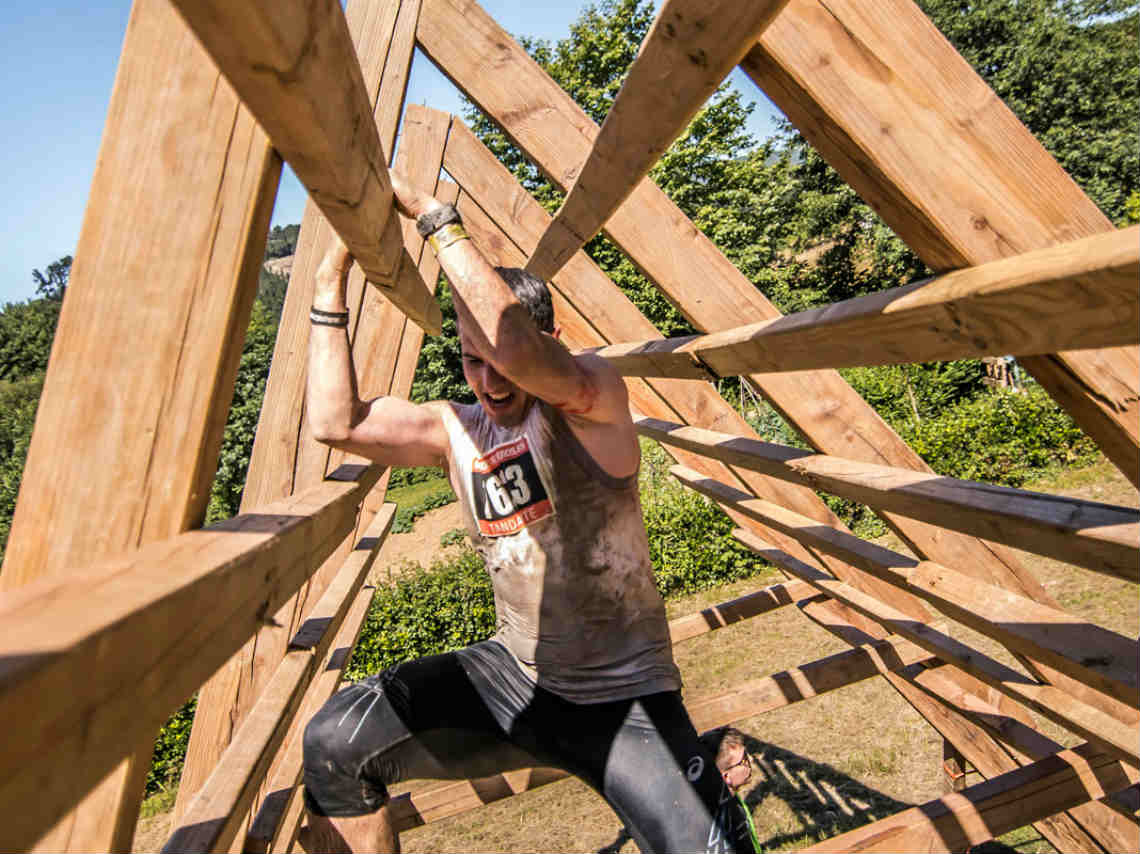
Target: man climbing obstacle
{"x": 580, "y": 672}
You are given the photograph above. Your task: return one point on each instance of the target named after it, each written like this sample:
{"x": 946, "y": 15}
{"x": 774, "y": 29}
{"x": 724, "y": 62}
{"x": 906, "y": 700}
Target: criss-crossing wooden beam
{"x": 294, "y": 65}
{"x": 1102, "y": 537}
{"x": 285, "y": 456}
{"x": 687, "y": 53}
{"x": 958, "y": 821}
{"x": 1073, "y": 296}
{"x": 1058, "y": 706}
{"x": 889, "y": 103}
{"x": 213, "y": 818}
{"x": 106, "y": 655}
{"x": 1096, "y": 656}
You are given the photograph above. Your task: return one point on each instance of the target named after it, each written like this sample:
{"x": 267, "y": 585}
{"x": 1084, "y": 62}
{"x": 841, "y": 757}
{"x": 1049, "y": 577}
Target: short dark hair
{"x": 720, "y": 741}
{"x": 533, "y": 293}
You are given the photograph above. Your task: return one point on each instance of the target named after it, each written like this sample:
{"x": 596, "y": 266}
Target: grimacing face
{"x": 504, "y": 402}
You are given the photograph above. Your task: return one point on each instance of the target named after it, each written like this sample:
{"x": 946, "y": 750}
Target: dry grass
{"x": 825, "y": 765}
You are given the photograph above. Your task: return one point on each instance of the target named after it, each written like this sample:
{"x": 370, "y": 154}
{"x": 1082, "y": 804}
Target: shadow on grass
{"x": 823, "y": 803}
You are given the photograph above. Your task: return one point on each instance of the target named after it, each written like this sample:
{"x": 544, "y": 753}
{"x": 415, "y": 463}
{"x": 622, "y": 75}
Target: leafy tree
{"x": 53, "y": 285}
{"x": 18, "y": 402}
{"x": 439, "y": 371}
{"x": 282, "y": 241}
{"x": 271, "y": 289}
{"x": 27, "y": 330}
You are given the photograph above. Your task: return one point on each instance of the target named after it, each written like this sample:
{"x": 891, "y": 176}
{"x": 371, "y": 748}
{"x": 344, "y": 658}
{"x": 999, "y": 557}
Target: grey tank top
{"x": 566, "y": 550}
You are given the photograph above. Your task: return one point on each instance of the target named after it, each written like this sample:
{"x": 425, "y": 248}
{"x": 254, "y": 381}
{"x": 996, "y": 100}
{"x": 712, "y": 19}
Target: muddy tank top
{"x": 565, "y": 546}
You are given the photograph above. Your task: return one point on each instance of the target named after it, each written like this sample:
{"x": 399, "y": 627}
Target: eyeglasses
{"x": 745, "y": 762}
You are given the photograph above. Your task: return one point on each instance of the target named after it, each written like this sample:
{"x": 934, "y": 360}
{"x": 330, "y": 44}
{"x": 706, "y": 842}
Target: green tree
{"x": 53, "y": 284}
{"x": 18, "y": 402}
{"x": 282, "y": 241}
{"x": 27, "y": 330}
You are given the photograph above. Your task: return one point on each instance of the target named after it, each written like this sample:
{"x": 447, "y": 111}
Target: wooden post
{"x": 131, "y": 418}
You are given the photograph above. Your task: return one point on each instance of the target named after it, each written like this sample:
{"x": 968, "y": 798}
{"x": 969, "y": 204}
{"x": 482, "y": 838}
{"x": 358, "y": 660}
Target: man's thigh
{"x": 420, "y": 719}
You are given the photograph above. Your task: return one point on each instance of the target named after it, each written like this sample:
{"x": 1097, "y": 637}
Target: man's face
{"x": 504, "y": 402}
{"x": 738, "y": 767}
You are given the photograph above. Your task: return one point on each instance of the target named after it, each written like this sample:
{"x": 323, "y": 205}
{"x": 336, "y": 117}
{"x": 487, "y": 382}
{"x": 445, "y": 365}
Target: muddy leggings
{"x": 474, "y": 713}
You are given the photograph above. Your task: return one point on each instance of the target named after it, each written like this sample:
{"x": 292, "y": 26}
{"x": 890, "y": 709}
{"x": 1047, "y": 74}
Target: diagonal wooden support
{"x": 107, "y": 660}
{"x": 890, "y": 104}
{"x": 294, "y": 65}
{"x": 690, "y": 49}
{"x": 213, "y": 818}
{"x": 285, "y": 456}
{"x": 1074, "y": 296}
{"x": 1102, "y": 537}
{"x": 979, "y": 813}
{"x": 1054, "y": 704}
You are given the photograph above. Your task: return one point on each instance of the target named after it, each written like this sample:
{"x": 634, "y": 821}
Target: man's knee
{"x": 337, "y": 764}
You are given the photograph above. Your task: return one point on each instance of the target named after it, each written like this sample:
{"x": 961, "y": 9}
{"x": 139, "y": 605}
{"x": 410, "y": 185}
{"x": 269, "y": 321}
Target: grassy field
{"x": 826, "y": 765}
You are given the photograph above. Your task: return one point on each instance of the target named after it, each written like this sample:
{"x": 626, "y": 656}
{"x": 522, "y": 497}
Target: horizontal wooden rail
{"x": 1049, "y": 701}
{"x": 1093, "y": 655}
{"x": 735, "y": 610}
{"x": 92, "y": 663}
{"x": 691, "y": 47}
{"x": 1102, "y": 537}
{"x": 215, "y": 816}
{"x": 747, "y": 700}
{"x": 1003, "y": 744}
{"x": 1074, "y": 296}
{"x": 294, "y": 65}
{"x": 958, "y": 821}
{"x": 321, "y": 626}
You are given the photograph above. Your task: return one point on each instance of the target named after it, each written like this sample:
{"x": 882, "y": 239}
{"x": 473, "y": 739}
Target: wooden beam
{"x": 743, "y": 608}
{"x": 285, "y": 455}
{"x": 690, "y": 49}
{"x": 1096, "y": 656}
{"x": 1049, "y": 701}
{"x": 958, "y": 821}
{"x": 1102, "y": 537}
{"x": 1005, "y": 740}
{"x": 185, "y": 182}
{"x": 294, "y": 65}
{"x": 104, "y": 656}
{"x": 886, "y": 99}
{"x": 214, "y": 817}
{"x": 1073, "y": 296}
{"x": 747, "y": 700}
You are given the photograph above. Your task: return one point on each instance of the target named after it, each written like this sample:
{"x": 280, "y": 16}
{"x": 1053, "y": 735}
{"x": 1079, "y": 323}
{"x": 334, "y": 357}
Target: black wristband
{"x": 328, "y": 318}
{"x": 433, "y": 221}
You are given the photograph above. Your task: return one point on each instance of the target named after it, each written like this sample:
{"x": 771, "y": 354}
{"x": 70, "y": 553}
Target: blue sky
{"x": 58, "y": 64}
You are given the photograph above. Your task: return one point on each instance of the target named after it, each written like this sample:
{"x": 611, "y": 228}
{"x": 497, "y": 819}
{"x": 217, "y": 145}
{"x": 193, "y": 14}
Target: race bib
{"x": 508, "y": 490}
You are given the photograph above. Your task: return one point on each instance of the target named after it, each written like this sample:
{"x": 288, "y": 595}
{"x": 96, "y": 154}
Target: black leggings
{"x": 475, "y": 713}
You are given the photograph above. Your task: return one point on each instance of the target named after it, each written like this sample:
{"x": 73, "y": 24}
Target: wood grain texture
{"x": 296, "y": 69}
{"x": 1097, "y": 657}
{"x": 742, "y": 608}
{"x": 214, "y": 816}
{"x": 1102, "y": 537}
{"x": 689, "y": 50}
{"x": 958, "y": 821}
{"x": 107, "y": 654}
{"x": 1078, "y": 295}
{"x": 285, "y": 456}
{"x": 185, "y": 183}
{"x": 890, "y": 104}
{"x": 1058, "y": 706}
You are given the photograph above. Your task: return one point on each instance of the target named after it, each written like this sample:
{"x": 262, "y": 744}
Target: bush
{"x": 446, "y": 607}
{"x": 402, "y": 477}
{"x": 406, "y": 516}
{"x": 170, "y": 750}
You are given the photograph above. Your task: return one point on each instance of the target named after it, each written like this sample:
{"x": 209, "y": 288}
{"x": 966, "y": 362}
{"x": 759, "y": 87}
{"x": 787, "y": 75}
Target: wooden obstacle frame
{"x": 118, "y": 606}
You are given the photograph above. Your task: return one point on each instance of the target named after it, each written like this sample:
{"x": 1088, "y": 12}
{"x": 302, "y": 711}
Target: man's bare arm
{"x": 504, "y": 334}
{"x": 387, "y": 429}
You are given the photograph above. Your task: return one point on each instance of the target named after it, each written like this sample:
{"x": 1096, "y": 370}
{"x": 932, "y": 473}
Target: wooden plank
{"x": 1049, "y": 701}
{"x": 216, "y": 813}
{"x": 742, "y": 608}
{"x": 414, "y": 809}
{"x": 1072, "y": 296}
{"x": 295, "y": 67}
{"x": 879, "y": 92}
{"x": 104, "y": 656}
{"x": 1096, "y": 656}
{"x": 285, "y": 456}
{"x": 460, "y": 38}
{"x": 1102, "y": 537}
{"x": 986, "y": 747}
{"x": 958, "y": 821}
{"x": 137, "y": 466}
{"x": 690, "y": 49}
